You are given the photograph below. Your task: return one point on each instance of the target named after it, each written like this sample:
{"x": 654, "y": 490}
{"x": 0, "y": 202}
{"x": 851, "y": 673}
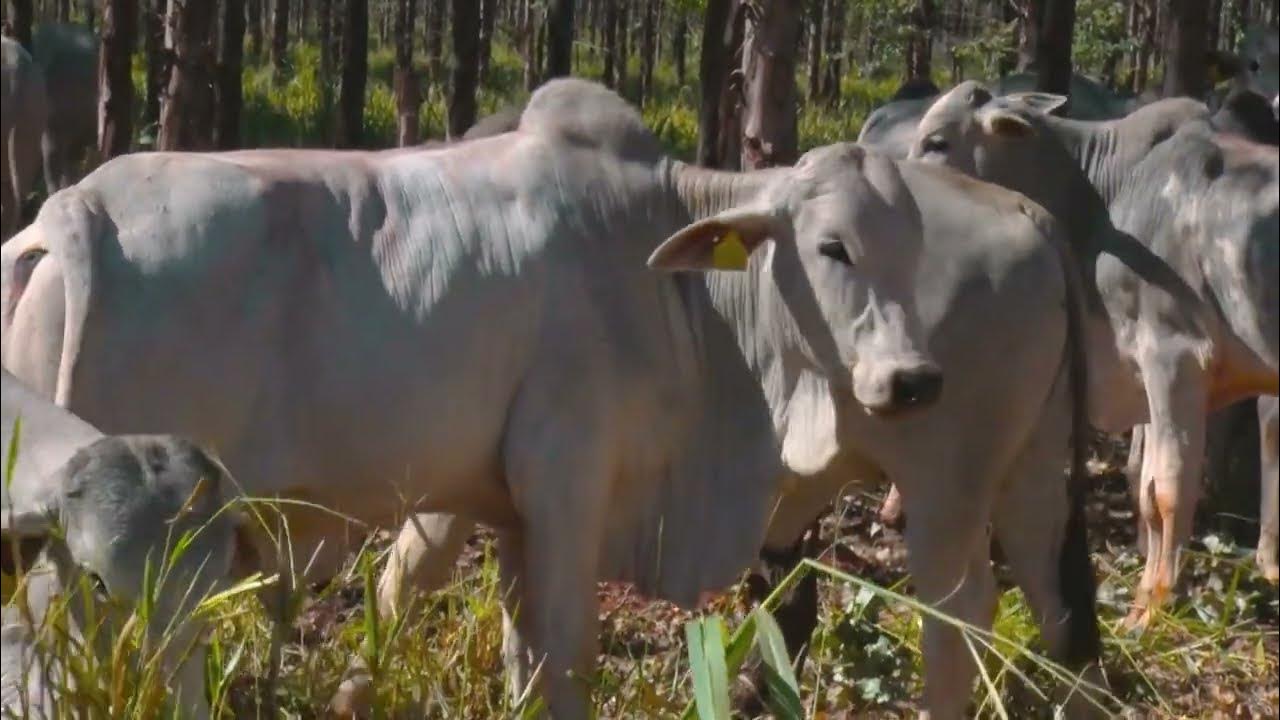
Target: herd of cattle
{"x": 637, "y": 369}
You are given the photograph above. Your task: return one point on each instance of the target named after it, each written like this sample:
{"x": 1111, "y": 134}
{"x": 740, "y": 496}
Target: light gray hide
{"x": 996, "y": 268}
{"x": 117, "y": 504}
{"x": 1269, "y": 440}
{"x": 1162, "y": 347}
{"x": 468, "y": 329}
{"x": 891, "y": 128}
{"x": 68, "y": 57}
{"x": 22, "y": 120}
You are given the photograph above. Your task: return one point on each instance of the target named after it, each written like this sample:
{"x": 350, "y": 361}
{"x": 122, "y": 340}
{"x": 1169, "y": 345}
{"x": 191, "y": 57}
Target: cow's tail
{"x": 75, "y": 218}
{"x": 1076, "y": 581}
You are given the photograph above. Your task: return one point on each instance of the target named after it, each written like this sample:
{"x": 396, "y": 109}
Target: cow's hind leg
{"x": 949, "y": 559}
{"x": 1171, "y": 475}
{"x": 422, "y": 559}
{"x": 1040, "y": 524}
{"x": 1133, "y": 473}
{"x": 1269, "y": 434}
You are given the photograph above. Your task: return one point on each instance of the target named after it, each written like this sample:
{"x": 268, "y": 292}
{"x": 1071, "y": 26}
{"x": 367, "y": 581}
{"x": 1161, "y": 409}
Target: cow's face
{"x": 979, "y": 135}
{"x": 31, "y": 309}
{"x": 837, "y": 277}
{"x": 1260, "y": 63}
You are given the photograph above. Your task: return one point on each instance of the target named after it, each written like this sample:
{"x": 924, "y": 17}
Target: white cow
{"x": 472, "y": 329}
{"x": 114, "y": 508}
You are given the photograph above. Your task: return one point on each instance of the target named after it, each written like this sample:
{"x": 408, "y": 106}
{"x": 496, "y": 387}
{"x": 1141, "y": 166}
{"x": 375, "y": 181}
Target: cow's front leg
{"x": 1133, "y": 474}
{"x": 422, "y": 559}
{"x": 1171, "y": 475}
{"x": 1269, "y": 435}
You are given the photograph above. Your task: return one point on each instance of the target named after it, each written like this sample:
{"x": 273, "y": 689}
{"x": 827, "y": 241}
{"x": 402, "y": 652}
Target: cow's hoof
{"x": 1270, "y": 571}
{"x": 354, "y": 697}
{"x": 1138, "y": 620}
{"x": 891, "y": 515}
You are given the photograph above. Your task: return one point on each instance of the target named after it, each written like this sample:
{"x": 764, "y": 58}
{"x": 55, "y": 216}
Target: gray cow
{"x": 68, "y": 57}
{"x": 1183, "y": 299}
{"x": 22, "y": 121}
{"x": 891, "y": 128}
{"x": 106, "y": 506}
{"x": 472, "y": 329}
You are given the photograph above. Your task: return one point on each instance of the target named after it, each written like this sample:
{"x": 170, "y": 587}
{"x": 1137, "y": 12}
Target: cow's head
{"x": 1255, "y": 67}
{"x": 835, "y": 242}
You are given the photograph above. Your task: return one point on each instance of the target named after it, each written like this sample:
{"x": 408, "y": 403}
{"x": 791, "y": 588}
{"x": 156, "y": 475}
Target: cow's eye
{"x": 1254, "y": 66}
{"x": 835, "y": 250}
{"x": 934, "y": 144}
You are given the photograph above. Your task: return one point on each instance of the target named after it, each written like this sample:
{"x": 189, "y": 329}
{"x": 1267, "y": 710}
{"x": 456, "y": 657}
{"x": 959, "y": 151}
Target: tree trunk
{"x": 280, "y": 35}
{"x": 611, "y": 43}
{"x": 624, "y": 48}
{"x": 920, "y": 46}
{"x": 559, "y": 38}
{"x": 255, "y": 28}
{"x": 21, "y": 18}
{"x": 434, "y": 41}
{"x": 1185, "y": 48}
{"x": 466, "y": 66}
{"x": 1053, "y": 46}
{"x": 720, "y": 42}
{"x": 648, "y": 48}
{"x": 680, "y": 43}
{"x": 230, "y": 72}
{"x": 1215, "y": 24}
{"x": 64, "y": 11}
{"x": 90, "y": 17}
{"x": 115, "y": 87}
{"x": 836, "y": 14}
{"x": 355, "y": 70}
{"x": 487, "y": 10}
{"x": 186, "y": 117}
{"x": 157, "y": 59}
{"x": 1009, "y": 57}
{"x": 1029, "y": 35}
{"x": 324, "y": 29}
{"x": 406, "y": 82}
{"x": 769, "y": 72}
{"x": 815, "y": 48}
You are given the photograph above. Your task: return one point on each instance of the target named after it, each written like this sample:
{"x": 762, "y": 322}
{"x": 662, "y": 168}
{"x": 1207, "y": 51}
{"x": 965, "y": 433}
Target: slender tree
{"x": 717, "y": 115}
{"x": 405, "y": 79}
{"x": 280, "y": 35}
{"x": 1185, "y": 48}
{"x": 648, "y": 47}
{"x": 680, "y": 41}
{"x": 254, "y": 8}
{"x": 559, "y": 38}
{"x": 1055, "y": 33}
{"x": 115, "y": 87}
{"x": 769, "y": 135}
{"x": 186, "y": 116}
{"x": 611, "y": 43}
{"x": 466, "y": 66}
{"x": 230, "y": 71}
{"x": 20, "y": 18}
{"x": 355, "y": 71}
{"x": 157, "y": 58}
{"x": 488, "y": 9}
{"x": 433, "y": 43}
{"x": 815, "y": 48}
{"x": 920, "y": 46}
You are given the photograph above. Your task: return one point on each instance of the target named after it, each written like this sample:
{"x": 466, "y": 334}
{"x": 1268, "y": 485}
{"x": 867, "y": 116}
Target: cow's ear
{"x": 722, "y": 242}
{"x": 1006, "y": 124}
{"x": 1041, "y": 102}
{"x": 1223, "y": 65}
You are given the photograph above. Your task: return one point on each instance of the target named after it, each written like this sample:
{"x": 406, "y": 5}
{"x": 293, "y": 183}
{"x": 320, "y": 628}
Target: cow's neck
{"x": 703, "y": 192}
{"x": 1096, "y": 148}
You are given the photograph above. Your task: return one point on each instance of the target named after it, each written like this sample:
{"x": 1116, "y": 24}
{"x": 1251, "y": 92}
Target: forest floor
{"x": 1214, "y": 654}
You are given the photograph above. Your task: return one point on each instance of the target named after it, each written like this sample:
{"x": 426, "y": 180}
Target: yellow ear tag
{"x": 729, "y": 253}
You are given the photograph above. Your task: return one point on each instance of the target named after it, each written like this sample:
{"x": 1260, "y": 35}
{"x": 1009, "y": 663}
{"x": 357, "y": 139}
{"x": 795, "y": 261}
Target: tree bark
{"x": 836, "y": 17}
{"x": 1185, "y": 48}
{"x": 624, "y": 48}
{"x": 1029, "y": 35}
{"x": 815, "y": 48}
{"x": 611, "y": 43}
{"x": 324, "y": 30}
{"x": 230, "y": 72}
{"x": 186, "y": 116}
{"x": 157, "y": 59}
{"x": 115, "y": 87}
{"x": 717, "y": 129}
{"x": 406, "y": 82}
{"x": 487, "y": 10}
{"x": 559, "y": 38}
{"x": 255, "y": 27}
{"x": 769, "y": 71}
{"x": 355, "y": 70}
{"x": 20, "y": 18}
{"x": 280, "y": 35}
{"x": 466, "y": 66}
{"x": 680, "y": 44}
{"x": 920, "y": 46}
{"x": 1053, "y": 46}
{"x": 433, "y": 43}
{"x": 648, "y": 48}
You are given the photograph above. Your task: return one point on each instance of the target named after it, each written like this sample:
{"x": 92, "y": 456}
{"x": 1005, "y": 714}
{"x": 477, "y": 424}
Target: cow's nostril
{"x": 914, "y": 388}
